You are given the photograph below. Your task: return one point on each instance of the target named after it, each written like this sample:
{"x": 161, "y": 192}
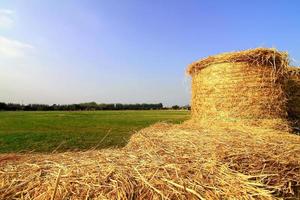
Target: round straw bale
{"x": 246, "y": 86}
{"x": 293, "y": 93}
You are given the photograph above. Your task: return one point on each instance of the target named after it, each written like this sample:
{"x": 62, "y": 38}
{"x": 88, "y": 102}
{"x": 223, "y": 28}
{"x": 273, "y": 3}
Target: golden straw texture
{"x": 245, "y": 86}
{"x": 256, "y": 57}
{"x": 164, "y": 162}
{"x": 234, "y": 147}
{"x": 293, "y": 92}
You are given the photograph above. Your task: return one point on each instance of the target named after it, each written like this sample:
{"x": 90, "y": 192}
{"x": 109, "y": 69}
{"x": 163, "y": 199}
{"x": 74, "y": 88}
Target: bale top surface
{"x": 259, "y": 56}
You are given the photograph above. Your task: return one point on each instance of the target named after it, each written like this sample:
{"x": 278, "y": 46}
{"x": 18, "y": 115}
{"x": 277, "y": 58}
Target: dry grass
{"x": 215, "y": 155}
{"x": 293, "y": 93}
{"x": 245, "y": 86}
{"x": 256, "y": 57}
{"x": 164, "y": 162}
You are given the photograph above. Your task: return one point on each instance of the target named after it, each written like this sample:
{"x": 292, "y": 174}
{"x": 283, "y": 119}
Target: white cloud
{"x": 13, "y": 48}
{"x": 6, "y": 18}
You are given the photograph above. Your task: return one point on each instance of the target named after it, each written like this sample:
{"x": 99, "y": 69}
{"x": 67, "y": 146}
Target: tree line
{"x": 78, "y": 107}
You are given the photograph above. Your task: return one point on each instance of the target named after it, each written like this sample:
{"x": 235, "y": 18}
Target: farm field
{"x": 71, "y": 131}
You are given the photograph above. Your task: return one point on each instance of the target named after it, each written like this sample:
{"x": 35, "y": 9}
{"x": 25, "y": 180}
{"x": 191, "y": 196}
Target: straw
{"x": 245, "y": 87}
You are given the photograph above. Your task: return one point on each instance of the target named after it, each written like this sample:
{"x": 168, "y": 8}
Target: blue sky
{"x": 128, "y": 51}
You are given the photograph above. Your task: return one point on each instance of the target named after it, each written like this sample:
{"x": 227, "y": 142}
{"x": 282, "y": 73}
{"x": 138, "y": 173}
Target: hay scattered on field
{"x": 164, "y": 162}
{"x": 218, "y": 154}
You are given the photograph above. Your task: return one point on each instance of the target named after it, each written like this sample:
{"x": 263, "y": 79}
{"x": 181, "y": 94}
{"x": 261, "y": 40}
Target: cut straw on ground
{"x": 236, "y": 146}
{"x": 165, "y": 162}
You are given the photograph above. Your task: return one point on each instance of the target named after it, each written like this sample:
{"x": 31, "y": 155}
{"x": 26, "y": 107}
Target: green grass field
{"x": 62, "y": 131}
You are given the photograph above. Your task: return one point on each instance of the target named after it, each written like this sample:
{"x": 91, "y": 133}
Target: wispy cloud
{"x": 6, "y": 18}
{"x": 13, "y": 48}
